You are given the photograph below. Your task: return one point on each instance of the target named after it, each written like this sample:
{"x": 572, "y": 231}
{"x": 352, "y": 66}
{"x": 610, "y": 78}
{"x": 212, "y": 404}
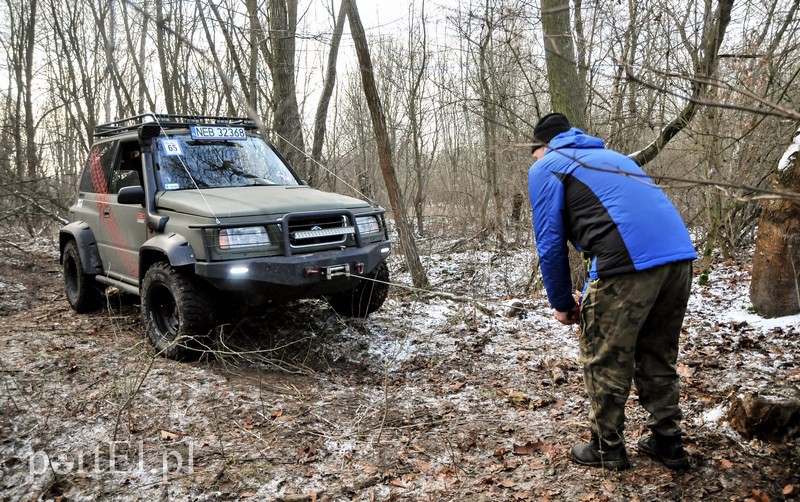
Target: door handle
{"x": 107, "y": 212}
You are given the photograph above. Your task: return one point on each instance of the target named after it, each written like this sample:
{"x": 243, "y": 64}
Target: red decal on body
{"x": 100, "y": 186}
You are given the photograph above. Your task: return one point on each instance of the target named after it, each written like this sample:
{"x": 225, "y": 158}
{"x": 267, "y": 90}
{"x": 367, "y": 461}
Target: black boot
{"x": 598, "y": 454}
{"x": 666, "y": 449}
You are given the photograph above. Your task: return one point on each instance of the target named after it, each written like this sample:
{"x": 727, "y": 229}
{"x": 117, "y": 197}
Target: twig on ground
{"x": 132, "y": 395}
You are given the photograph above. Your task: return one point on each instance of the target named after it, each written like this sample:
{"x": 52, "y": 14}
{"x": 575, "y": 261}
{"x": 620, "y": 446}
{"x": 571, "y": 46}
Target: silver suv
{"x": 197, "y": 213}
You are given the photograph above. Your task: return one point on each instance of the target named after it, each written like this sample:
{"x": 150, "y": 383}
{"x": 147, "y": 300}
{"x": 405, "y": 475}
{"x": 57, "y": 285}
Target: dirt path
{"x": 427, "y": 400}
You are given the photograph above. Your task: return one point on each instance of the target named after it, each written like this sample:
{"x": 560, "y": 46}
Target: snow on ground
{"x": 751, "y": 351}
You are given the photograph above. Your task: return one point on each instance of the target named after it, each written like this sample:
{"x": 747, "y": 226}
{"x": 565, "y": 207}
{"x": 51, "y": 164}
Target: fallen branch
{"x": 462, "y": 299}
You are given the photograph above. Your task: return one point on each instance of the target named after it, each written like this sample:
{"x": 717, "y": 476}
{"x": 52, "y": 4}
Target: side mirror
{"x": 131, "y": 195}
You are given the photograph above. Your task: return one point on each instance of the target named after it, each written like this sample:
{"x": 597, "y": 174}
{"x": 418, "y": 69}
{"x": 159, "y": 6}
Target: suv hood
{"x": 253, "y": 201}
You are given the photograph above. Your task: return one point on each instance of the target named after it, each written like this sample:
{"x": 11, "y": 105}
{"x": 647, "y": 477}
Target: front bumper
{"x": 297, "y": 276}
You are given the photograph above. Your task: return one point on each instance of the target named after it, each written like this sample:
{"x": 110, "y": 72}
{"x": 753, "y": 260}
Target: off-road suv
{"x": 193, "y": 213}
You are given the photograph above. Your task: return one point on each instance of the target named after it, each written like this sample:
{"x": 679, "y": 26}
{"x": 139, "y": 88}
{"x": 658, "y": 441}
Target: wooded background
{"x": 703, "y": 93}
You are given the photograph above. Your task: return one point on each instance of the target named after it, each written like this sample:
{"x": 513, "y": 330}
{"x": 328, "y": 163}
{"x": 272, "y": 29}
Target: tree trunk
{"x": 580, "y": 42}
{"x": 31, "y": 155}
{"x": 566, "y": 93}
{"x": 712, "y": 199}
{"x": 166, "y": 78}
{"x": 774, "y": 289}
{"x": 321, "y": 117}
{"x": 415, "y": 116}
{"x": 286, "y": 119}
{"x": 255, "y": 35}
{"x": 492, "y": 189}
{"x": 407, "y": 243}
{"x": 15, "y": 61}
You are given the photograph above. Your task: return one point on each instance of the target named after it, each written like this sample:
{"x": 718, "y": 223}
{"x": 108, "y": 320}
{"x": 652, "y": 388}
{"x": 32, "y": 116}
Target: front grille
{"x": 316, "y": 230}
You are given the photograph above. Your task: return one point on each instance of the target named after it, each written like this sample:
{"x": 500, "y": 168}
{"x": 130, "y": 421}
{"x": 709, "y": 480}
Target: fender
{"x": 174, "y": 246}
{"x": 83, "y": 236}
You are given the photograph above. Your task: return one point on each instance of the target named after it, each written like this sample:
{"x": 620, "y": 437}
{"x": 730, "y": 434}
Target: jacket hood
{"x": 253, "y": 201}
{"x": 575, "y": 138}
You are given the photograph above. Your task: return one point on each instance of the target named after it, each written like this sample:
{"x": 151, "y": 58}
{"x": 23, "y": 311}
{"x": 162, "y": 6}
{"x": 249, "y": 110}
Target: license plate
{"x": 217, "y": 132}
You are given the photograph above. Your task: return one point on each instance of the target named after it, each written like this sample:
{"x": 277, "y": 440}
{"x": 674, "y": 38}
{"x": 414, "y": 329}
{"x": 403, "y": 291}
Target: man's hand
{"x": 567, "y": 318}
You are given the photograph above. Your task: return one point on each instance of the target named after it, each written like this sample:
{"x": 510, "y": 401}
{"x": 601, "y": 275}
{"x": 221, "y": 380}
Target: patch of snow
{"x": 792, "y": 321}
{"x": 13, "y": 288}
{"x": 789, "y": 156}
{"x": 714, "y": 415}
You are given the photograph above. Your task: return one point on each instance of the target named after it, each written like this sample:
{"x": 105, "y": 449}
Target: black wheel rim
{"x": 165, "y": 313}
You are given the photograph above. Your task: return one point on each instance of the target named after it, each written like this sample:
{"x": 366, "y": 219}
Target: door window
{"x": 129, "y": 169}
{"x": 97, "y": 172}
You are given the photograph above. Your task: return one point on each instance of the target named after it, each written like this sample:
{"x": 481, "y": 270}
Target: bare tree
{"x": 249, "y": 92}
{"x": 23, "y": 20}
{"x": 705, "y": 58}
{"x": 415, "y": 114}
{"x": 137, "y": 51}
{"x": 407, "y": 242}
{"x": 321, "y": 117}
{"x": 490, "y": 119}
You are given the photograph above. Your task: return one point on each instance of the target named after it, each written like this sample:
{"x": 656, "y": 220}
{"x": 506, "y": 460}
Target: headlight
{"x": 367, "y": 224}
{"x": 240, "y": 238}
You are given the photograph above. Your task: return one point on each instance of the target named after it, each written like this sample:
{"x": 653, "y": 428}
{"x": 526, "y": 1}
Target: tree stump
{"x": 772, "y": 415}
{"x": 775, "y": 279}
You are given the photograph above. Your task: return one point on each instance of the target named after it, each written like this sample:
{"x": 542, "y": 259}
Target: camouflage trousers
{"x": 630, "y": 326}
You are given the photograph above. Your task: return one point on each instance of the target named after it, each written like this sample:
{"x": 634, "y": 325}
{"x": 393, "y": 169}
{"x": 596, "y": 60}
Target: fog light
{"x": 239, "y": 270}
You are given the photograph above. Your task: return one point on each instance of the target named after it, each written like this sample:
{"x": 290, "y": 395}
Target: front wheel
{"x": 175, "y": 312}
{"x": 365, "y": 298}
{"x": 84, "y": 294}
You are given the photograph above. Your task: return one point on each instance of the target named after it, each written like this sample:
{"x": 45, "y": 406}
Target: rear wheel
{"x": 175, "y": 312}
{"x": 84, "y": 294}
{"x": 365, "y": 298}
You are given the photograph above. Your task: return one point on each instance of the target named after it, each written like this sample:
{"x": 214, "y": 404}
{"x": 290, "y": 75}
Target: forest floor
{"x": 428, "y": 399}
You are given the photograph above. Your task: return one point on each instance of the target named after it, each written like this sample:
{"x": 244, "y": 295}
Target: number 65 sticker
{"x": 171, "y": 147}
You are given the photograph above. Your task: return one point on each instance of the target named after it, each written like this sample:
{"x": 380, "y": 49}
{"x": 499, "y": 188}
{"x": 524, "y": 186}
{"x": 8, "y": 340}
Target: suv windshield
{"x": 183, "y": 162}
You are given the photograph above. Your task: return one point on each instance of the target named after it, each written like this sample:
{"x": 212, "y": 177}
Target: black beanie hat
{"x": 548, "y": 127}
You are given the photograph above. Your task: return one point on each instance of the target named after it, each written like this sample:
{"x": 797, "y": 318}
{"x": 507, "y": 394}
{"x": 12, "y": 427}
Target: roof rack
{"x": 169, "y": 122}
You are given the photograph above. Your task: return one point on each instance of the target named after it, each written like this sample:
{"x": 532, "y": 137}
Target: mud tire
{"x": 175, "y": 312}
{"x": 84, "y": 293}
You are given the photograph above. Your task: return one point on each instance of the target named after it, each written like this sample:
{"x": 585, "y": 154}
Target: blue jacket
{"x": 602, "y": 202}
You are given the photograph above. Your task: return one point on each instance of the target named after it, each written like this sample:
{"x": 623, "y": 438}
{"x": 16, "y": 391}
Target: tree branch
{"x": 712, "y": 40}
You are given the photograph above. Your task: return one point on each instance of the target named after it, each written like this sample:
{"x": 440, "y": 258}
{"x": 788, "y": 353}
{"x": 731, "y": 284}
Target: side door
{"x": 125, "y": 226}
{"x": 93, "y": 192}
